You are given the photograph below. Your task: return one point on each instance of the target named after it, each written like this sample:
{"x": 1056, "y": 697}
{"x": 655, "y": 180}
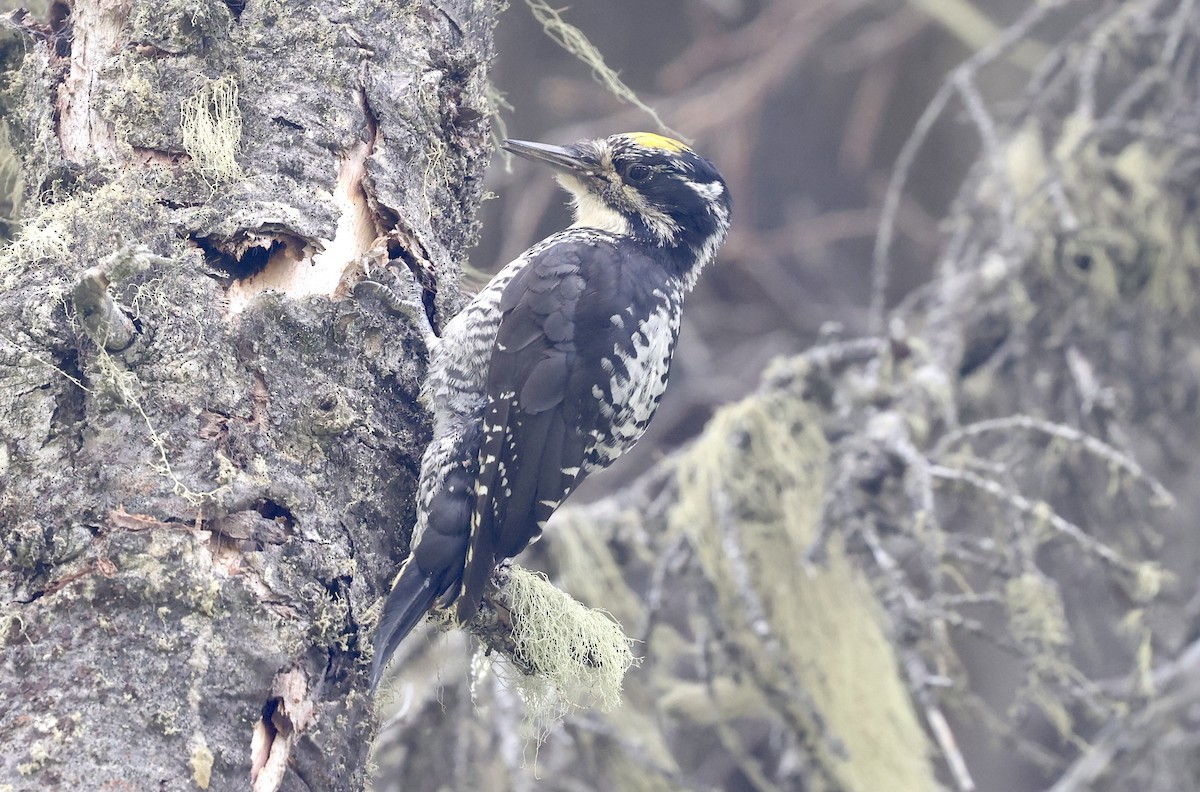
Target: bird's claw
{"x": 402, "y": 295}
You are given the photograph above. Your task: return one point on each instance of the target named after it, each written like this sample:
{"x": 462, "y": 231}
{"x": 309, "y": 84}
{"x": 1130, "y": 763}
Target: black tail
{"x": 435, "y": 565}
{"x": 410, "y": 599}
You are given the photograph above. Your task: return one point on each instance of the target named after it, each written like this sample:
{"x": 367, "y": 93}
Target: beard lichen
{"x": 564, "y": 656}
{"x": 211, "y": 126}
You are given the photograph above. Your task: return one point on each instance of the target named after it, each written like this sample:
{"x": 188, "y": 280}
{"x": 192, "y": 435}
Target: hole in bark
{"x": 236, "y": 7}
{"x": 59, "y": 17}
{"x": 267, "y": 260}
{"x": 397, "y": 252}
{"x": 285, "y": 716}
{"x": 255, "y": 260}
{"x": 987, "y": 338}
{"x": 267, "y": 759}
{"x": 284, "y": 122}
{"x": 239, "y": 259}
{"x": 68, "y": 416}
{"x": 276, "y": 513}
{"x": 272, "y": 258}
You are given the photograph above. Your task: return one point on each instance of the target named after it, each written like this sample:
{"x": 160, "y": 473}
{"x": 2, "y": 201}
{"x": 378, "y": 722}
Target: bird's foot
{"x": 400, "y": 293}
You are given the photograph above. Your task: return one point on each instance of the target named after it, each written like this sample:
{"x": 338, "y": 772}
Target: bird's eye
{"x": 637, "y": 173}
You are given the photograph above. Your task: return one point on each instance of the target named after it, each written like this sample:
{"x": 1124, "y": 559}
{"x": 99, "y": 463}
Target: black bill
{"x": 565, "y": 157}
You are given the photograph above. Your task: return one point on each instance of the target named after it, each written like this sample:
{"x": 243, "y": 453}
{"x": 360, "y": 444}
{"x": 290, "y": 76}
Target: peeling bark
{"x": 199, "y": 516}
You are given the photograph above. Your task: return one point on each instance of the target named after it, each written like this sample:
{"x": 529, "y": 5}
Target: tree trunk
{"x": 208, "y": 452}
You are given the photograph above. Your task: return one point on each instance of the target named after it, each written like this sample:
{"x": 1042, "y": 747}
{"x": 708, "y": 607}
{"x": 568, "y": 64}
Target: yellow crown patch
{"x": 651, "y": 140}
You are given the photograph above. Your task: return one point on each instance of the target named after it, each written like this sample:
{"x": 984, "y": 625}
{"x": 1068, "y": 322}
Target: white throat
{"x": 590, "y": 211}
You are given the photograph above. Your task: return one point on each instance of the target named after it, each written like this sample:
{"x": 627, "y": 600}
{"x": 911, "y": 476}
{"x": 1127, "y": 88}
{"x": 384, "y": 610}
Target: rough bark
{"x": 208, "y": 447}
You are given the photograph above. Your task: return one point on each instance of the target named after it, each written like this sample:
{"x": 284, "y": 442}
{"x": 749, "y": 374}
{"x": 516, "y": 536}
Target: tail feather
{"x": 411, "y": 597}
{"x": 435, "y": 565}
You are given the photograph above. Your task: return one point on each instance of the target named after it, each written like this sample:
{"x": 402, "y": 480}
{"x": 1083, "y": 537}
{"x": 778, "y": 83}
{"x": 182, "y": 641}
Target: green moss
{"x": 47, "y": 237}
{"x": 591, "y": 569}
{"x": 201, "y": 760}
{"x": 1135, "y": 239}
{"x": 1035, "y": 612}
{"x": 65, "y": 230}
{"x": 137, "y": 105}
{"x": 574, "y": 41}
{"x": 179, "y": 26}
{"x": 25, "y": 546}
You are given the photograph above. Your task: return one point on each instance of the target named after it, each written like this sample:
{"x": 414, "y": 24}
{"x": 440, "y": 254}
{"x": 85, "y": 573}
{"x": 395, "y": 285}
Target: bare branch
{"x": 1087, "y": 442}
{"x": 1042, "y": 511}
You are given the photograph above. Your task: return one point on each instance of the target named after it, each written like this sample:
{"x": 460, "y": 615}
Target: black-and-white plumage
{"x": 556, "y": 368}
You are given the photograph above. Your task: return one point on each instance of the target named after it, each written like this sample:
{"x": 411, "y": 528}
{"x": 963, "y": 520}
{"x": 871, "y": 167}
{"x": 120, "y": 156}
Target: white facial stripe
{"x": 664, "y": 228}
{"x": 709, "y": 191}
{"x": 659, "y": 222}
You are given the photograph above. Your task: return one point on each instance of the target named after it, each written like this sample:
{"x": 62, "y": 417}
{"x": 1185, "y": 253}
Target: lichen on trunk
{"x": 196, "y": 525}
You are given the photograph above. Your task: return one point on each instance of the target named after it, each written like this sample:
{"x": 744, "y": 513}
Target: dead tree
{"x": 210, "y": 431}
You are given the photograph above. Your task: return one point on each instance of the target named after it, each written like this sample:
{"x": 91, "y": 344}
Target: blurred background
{"x": 804, "y": 106}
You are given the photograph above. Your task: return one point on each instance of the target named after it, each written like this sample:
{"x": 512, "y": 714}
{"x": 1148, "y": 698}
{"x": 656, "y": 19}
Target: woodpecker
{"x": 557, "y": 366}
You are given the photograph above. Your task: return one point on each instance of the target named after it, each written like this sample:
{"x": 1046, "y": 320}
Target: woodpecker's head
{"x": 641, "y": 185}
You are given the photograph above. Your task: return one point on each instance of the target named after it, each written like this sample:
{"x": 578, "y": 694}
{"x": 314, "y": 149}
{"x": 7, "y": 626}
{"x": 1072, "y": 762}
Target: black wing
{"x": 541, "y": 404}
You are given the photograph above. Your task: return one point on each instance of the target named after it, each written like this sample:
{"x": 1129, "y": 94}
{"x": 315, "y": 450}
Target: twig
{"x": 918, "y": 675}
{"x": 573, "y": 40}
{"x": 103, "y": 321}
{"x": 760, "y": 625}
{"x": 880, "y": 264}
{"x": 964, "y": 83}
{"x": 1089, "y": 443}
{"x": 670, "y": 561}
{"x": 729, "y": 739}
{"x": 1039, "y": 511}
{"x": 1129, "y": 735}
{"x": 979, "y": 630}
{"x": 880, "y": 267}
{"x": 635, "y": 752}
